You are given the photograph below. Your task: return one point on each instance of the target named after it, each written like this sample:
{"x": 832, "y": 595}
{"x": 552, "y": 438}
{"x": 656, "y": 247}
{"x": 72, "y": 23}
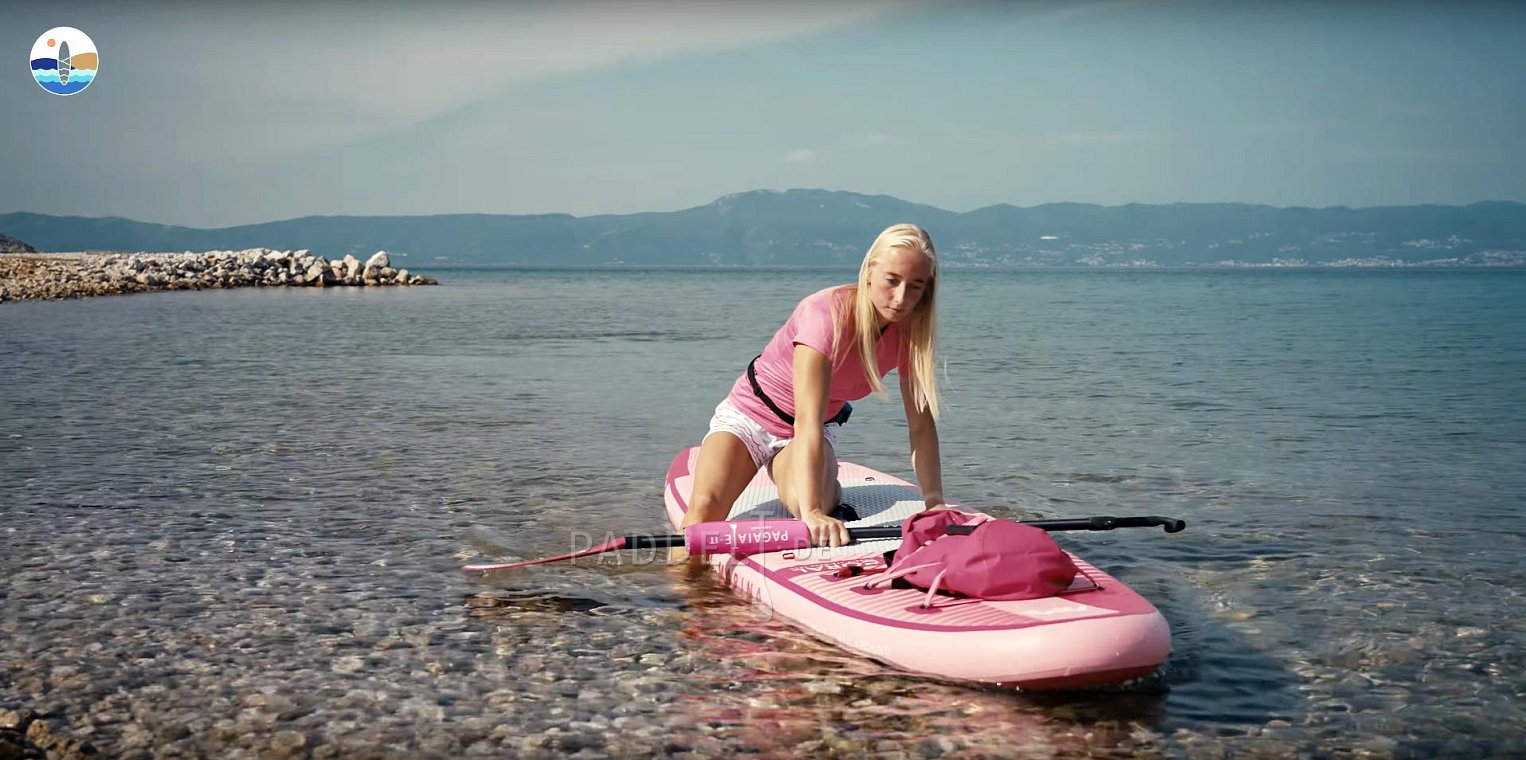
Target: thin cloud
{"x": 801, "y": 156}
{"x": 1360, "y": 154}
{"x": 1098, "y": 137}
{"x": 1289, "y": 127}
{"x": 414, "y": 68}
{"x": 1076, "y": 10}
{"x": 870, "y": 139}
{"x": 320, "y": 75}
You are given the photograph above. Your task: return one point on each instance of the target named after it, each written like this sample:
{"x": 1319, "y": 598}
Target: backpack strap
{"x": 932, "y": 589}
{"x": 897, "y": 573}
{"x": 895, "y": 576}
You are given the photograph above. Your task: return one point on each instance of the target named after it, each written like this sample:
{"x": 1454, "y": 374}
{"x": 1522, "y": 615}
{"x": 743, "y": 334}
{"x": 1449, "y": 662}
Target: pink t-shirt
{"x": 811, "y": 325}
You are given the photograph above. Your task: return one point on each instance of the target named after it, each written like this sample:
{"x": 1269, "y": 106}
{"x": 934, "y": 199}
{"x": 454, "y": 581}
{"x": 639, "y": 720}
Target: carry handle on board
{"x": 743, "y": 537}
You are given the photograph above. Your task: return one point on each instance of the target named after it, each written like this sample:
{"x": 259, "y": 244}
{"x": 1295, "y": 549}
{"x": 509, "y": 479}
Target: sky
{"x": 211, "y": 115}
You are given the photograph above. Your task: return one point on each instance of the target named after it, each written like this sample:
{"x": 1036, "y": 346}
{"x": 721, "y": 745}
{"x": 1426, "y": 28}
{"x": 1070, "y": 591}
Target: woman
{"x": 784, "y": 413}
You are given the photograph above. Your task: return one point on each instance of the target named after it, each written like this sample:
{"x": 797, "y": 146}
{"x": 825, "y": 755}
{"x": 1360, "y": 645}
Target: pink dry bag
{"x": 999, "y": 560}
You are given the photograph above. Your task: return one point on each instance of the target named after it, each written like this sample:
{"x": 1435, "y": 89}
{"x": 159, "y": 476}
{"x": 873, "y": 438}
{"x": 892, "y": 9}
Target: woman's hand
{"x": 825, "y": 531}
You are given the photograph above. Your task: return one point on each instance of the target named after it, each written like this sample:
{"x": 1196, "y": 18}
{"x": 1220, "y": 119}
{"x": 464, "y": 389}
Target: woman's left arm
{"x": 922, "y": 429}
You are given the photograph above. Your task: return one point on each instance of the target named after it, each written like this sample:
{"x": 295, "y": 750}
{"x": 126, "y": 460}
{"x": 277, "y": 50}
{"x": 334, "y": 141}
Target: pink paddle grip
{"x": 746, "y": 536}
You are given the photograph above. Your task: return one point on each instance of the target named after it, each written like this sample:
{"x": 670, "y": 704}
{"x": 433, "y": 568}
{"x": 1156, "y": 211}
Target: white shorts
{"x": 760, "y": 443}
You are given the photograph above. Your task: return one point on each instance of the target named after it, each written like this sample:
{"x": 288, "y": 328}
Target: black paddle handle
{"x": 1101, "y": 522}
{"x": 654, "y": 542}
{"x": 1104, "y": 522}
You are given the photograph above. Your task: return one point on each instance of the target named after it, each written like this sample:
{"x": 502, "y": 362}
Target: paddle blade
{"x": 609, "y": 546}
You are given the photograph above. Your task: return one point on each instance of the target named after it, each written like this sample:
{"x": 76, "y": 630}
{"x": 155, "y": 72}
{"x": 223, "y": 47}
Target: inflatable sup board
{"x": 1097, "y": 631}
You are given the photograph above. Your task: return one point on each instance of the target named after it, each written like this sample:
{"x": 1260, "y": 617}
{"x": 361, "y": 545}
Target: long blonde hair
{"x": 919, "y": 332}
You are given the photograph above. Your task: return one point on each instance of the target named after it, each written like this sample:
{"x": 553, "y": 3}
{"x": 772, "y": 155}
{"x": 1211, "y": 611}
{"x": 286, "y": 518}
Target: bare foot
{"x": 685, "y": 567}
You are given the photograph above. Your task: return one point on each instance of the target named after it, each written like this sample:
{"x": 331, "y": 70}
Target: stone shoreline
{"x": 37, "y": 276}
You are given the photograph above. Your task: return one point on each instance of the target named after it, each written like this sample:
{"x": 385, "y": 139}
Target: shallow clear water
{"x": 231, "y": 521}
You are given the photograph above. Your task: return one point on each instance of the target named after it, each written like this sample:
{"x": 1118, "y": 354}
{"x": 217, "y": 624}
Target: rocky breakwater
{"x": 75, "y": 275}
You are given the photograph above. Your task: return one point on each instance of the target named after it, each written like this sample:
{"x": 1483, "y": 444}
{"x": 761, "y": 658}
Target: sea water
{"x": 231, "y": 521}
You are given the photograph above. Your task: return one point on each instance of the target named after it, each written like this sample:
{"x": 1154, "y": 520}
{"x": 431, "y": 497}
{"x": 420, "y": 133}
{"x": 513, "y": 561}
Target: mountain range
{"x": 833, "y": 228}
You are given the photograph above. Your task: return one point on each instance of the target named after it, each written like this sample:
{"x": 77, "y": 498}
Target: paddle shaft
{"x": 646, "y": 541}
{"x": 1101, "y": 522}
{"x": 1171, "y": 525}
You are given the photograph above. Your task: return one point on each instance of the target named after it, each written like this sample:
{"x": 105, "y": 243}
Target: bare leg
{"x": 723, "y": 471}
{"x": 783, "y": 467}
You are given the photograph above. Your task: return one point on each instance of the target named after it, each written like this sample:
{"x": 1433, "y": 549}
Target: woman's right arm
{"x": 812, "y": 378}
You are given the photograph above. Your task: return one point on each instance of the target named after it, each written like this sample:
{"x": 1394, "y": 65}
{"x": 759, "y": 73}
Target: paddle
{"x": 755, "y": 536}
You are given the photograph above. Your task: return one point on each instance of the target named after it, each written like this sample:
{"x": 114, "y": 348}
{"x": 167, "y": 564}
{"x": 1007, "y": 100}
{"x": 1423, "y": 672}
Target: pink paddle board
{"x": 1098, "y": 631}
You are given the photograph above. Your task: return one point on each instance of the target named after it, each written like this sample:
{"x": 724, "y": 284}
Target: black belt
{"x": 757, "y": 390}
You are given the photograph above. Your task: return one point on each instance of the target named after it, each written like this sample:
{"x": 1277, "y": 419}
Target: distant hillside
{"x": 820, "y": 227}
{"x": 9, "y": 244}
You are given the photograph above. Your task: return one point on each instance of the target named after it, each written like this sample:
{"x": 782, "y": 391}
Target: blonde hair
{"x": 919, "y": 333}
